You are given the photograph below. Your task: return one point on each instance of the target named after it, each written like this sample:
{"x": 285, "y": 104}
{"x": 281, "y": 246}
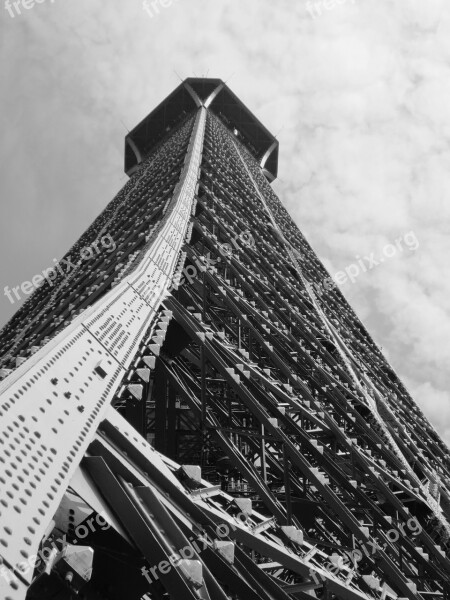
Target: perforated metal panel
{"x": 51, "y": 405}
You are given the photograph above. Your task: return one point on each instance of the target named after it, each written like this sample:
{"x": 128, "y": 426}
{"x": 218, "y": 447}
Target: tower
{"x": 189, "y": 408}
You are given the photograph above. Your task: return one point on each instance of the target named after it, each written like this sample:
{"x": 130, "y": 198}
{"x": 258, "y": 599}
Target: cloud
{"x": 435, "y": 403}
{"x": 357, "y": 97}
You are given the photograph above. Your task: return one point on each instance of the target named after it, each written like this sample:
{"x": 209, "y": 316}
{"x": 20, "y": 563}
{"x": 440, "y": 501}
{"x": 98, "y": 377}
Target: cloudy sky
{"x": 357, "y": 92}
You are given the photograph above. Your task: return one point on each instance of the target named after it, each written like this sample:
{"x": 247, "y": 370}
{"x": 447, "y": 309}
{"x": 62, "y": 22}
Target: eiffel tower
{"x": 191, "y": 409}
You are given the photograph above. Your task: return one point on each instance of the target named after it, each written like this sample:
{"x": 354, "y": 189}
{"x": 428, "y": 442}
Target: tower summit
{"x": 191, "y": 409}
{"x": 215, "y": 96}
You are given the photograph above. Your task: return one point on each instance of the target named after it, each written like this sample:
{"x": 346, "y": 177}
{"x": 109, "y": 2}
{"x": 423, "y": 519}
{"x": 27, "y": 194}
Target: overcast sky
{"x": 356, "y": 91}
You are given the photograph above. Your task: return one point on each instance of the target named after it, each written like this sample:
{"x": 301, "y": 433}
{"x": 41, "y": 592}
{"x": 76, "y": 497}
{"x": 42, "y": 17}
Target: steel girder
{"x": 215, "y": 333}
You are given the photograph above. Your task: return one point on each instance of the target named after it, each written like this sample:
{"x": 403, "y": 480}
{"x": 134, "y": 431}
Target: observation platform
{"x": 216, "y": 96}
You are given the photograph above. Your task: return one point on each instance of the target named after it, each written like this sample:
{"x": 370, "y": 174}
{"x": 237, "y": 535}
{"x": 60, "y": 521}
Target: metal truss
{"x": 208, "y": 388}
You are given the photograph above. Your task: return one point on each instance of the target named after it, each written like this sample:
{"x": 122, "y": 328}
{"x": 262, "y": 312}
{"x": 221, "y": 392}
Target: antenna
{"x": 230, "y": 77}
{"x": 124, "y": 125}
{"x": 178, "y": 76}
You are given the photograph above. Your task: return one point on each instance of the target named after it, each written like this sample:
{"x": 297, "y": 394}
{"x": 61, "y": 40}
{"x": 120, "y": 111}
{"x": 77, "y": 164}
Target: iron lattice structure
{"x": 194, "y": 391}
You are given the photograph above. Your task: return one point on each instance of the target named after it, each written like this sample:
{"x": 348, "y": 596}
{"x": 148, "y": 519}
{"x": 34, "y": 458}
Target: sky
{"x": 357, "y": 92}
